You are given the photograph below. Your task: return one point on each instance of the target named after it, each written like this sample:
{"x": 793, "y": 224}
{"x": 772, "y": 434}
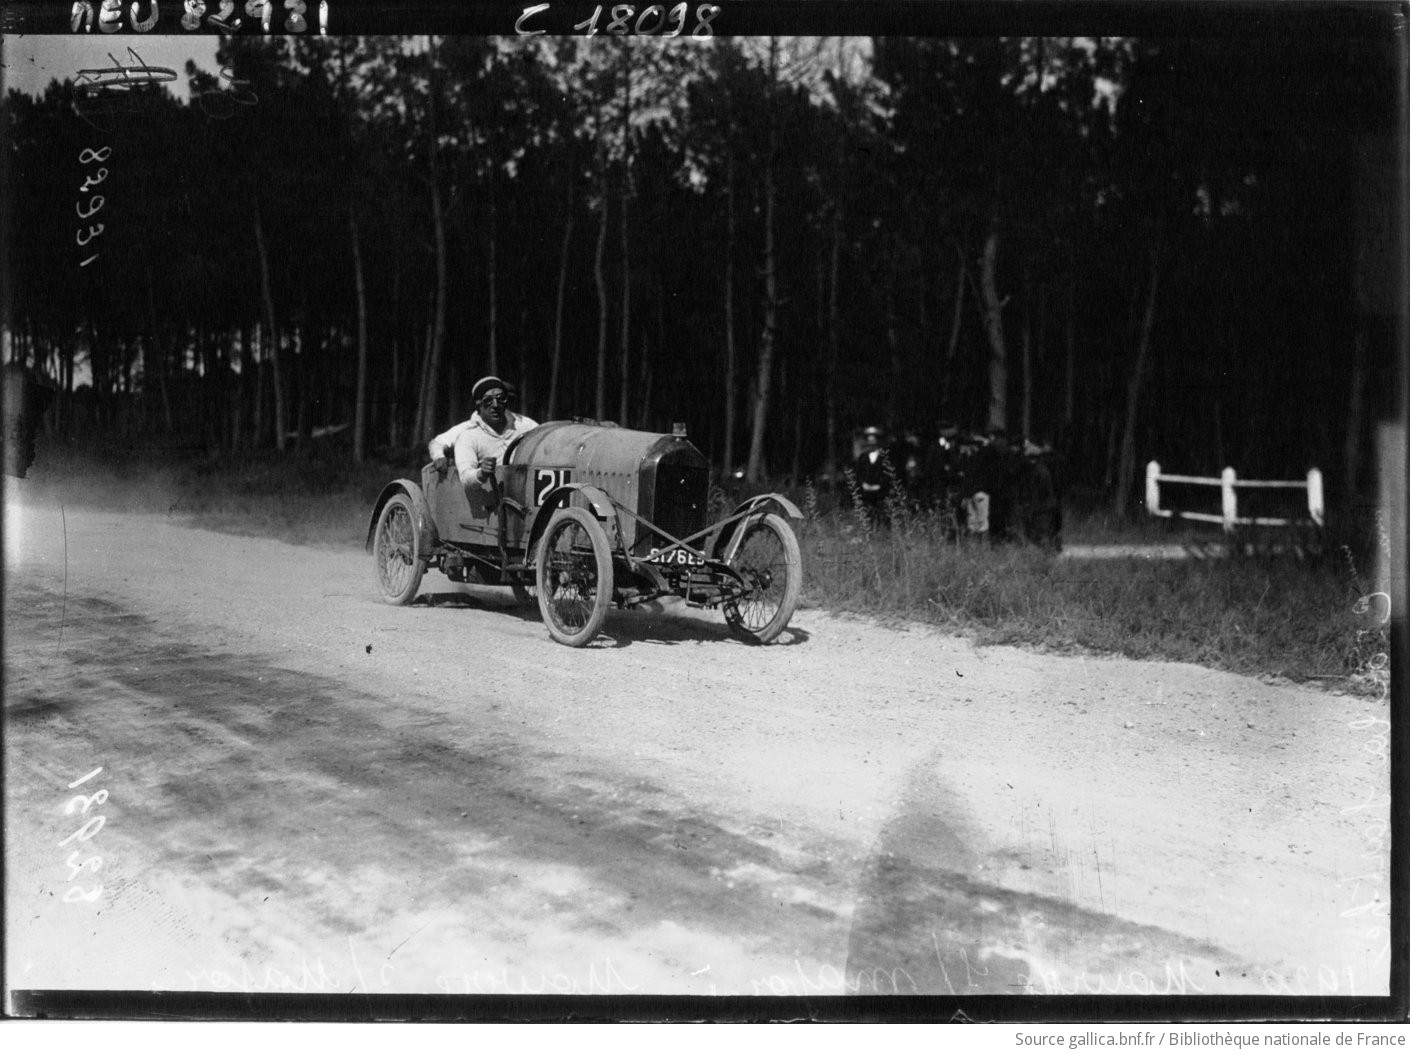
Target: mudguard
{"x": 425, "y": 525}
{"x": 723, "y": 545}
{"x": 595, "y": 499}
{"x": 787, "y": 507}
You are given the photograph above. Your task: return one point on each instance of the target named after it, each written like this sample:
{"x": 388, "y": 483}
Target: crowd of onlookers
{"x": 980, "y": 484}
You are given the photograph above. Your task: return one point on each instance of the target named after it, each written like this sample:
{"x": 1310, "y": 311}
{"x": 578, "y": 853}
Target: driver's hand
{"x": 487, "y": 469}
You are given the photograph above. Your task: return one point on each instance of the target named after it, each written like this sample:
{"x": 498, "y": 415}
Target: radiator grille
{"x": 681, "y": 493}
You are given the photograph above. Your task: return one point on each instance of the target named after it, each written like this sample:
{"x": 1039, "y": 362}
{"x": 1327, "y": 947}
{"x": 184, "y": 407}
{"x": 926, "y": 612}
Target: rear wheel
{"x": 574, "y": 576}
{"x": 396, "y": 551}
{"x": 769, "y": 562}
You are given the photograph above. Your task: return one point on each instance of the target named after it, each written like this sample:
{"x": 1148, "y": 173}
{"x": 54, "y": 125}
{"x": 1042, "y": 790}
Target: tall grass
{"x": 1272, "y": 615}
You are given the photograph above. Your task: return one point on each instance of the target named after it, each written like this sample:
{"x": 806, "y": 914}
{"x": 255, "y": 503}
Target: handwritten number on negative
{"x": 648, "y": 23}
{"x": 88, "y": 802}
{"x": 621, "y": 19}
{"x": 92, "y": 863}
{"x": 84, "y": 779}
{"x": 705, "y": 14}
{"x": 83, "y": 833}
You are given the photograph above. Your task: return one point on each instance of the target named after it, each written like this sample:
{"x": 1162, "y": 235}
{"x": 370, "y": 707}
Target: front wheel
{"x": 396, "y": 551}
{"x": 768, "y": 561}
{"x": 574, "y": 576}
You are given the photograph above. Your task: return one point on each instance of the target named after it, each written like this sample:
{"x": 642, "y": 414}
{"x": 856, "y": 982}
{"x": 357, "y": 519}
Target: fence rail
{"x": 1228, "y": 484}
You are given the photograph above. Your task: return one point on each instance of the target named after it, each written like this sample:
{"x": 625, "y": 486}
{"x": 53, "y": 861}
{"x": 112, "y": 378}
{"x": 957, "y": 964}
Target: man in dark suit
{"x": 875, "y": 475}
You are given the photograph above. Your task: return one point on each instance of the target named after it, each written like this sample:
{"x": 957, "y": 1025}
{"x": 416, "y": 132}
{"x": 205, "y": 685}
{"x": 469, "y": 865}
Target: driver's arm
{"x": 467, "y": 461}
{"x": 439, "y": 446}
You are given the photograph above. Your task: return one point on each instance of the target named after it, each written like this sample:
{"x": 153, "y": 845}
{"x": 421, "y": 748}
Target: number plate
{"x": 675, "y": 558}
{"x": 547, "y": 480}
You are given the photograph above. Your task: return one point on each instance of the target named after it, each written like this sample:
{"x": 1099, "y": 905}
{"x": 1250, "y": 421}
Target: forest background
{"x": 1183, "y": 249}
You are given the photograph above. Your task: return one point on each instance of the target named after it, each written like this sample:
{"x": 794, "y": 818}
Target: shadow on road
{"x": 623, "y": 628}
{"x": 935, "y": 916}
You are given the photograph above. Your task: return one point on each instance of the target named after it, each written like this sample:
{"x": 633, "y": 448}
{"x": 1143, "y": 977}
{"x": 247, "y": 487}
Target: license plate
{"x": 675, "y": 558}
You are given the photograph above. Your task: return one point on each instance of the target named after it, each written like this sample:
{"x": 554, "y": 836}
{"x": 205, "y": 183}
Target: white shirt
{"x": 474, "y": 439}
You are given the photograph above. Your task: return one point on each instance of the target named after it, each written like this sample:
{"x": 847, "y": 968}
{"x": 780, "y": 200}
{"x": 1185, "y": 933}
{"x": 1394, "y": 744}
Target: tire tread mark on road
{"x": 279, "y": 780}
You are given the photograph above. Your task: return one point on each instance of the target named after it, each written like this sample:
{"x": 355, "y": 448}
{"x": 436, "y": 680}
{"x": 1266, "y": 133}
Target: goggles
{"x": 497, "y": 399}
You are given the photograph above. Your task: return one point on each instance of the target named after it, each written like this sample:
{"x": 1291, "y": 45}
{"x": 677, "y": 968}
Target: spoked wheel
{"x": 396, "y": 552}
{"x": 574, "y": 576}
{"x": 769, "y": 562}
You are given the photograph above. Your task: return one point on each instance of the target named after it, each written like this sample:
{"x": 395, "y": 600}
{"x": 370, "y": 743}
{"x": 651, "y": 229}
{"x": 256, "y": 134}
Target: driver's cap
{"x": 484, "y": 386}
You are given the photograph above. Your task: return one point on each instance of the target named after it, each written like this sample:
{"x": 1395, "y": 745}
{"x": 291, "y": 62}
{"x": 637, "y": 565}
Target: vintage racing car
{"x": 589, "y": 515}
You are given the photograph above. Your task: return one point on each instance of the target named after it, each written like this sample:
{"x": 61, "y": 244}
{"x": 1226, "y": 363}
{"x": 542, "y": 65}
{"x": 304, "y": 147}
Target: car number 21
{"x": 547, "y": 480}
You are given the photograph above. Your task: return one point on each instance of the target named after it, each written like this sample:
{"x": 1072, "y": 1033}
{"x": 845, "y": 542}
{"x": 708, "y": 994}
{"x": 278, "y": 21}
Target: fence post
{"x": 1314, "y": 496}
{"x": 1153, "y": 488}
{"x": 1231, "y": 502}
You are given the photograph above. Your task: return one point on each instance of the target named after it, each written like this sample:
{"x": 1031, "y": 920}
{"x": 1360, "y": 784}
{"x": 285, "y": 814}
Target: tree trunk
{"x": 833, "y": 345}
{"x": 556, "y": 364}
{"x": 644, "y": 414}
{"x": 600, "y": 403}
{"x": 893, "y": 346}
{"x": 626, "y": 323}
{"x": 493, "y": 269}
{"x": 624, "y": 356}
{"x": 360, "y": 399}
{"x": 756, "y": 468}
{"x": 243, "y": 389}
{"x": 797, "y": 472}
{"x": 1355, "y": 413}
{"x": 994, "y": 327}
{"x": 731, "y": 352}
{"x": 280, "y": 411}
{"x": 1218, "y": 412}
{"x": 257, "y": 388}
{"x": 947, "y": 380}
{"x": 158, "y": 363}
{"x": 1127, "y": 471}
{"x": 1070, "y": 349}
{"x": 426, "y": 407}
{"x": 395, "y": 422}
{"x": 303, "y": 426}
{"x": 1027, "y": 403}
{"x": 424, "y": 375}
{"x": 427, "y": 411}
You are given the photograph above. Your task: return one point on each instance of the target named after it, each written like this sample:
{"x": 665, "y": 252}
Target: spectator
{"x": 874, "y": 476}
{"x": 997, "y": 467}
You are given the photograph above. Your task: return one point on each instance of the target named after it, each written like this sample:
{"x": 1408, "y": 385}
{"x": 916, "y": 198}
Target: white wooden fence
{"x": 1228, "y": 484}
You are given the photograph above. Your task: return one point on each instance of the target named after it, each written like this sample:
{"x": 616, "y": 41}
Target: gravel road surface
{"x": 305, "y": 790}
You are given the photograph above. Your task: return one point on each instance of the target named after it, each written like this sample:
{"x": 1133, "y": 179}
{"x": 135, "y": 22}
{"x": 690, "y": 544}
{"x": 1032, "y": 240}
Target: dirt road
{"x": 303, "y": 789}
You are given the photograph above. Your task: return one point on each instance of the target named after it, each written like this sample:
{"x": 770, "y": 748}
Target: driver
{"x": 477, "y": 444}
